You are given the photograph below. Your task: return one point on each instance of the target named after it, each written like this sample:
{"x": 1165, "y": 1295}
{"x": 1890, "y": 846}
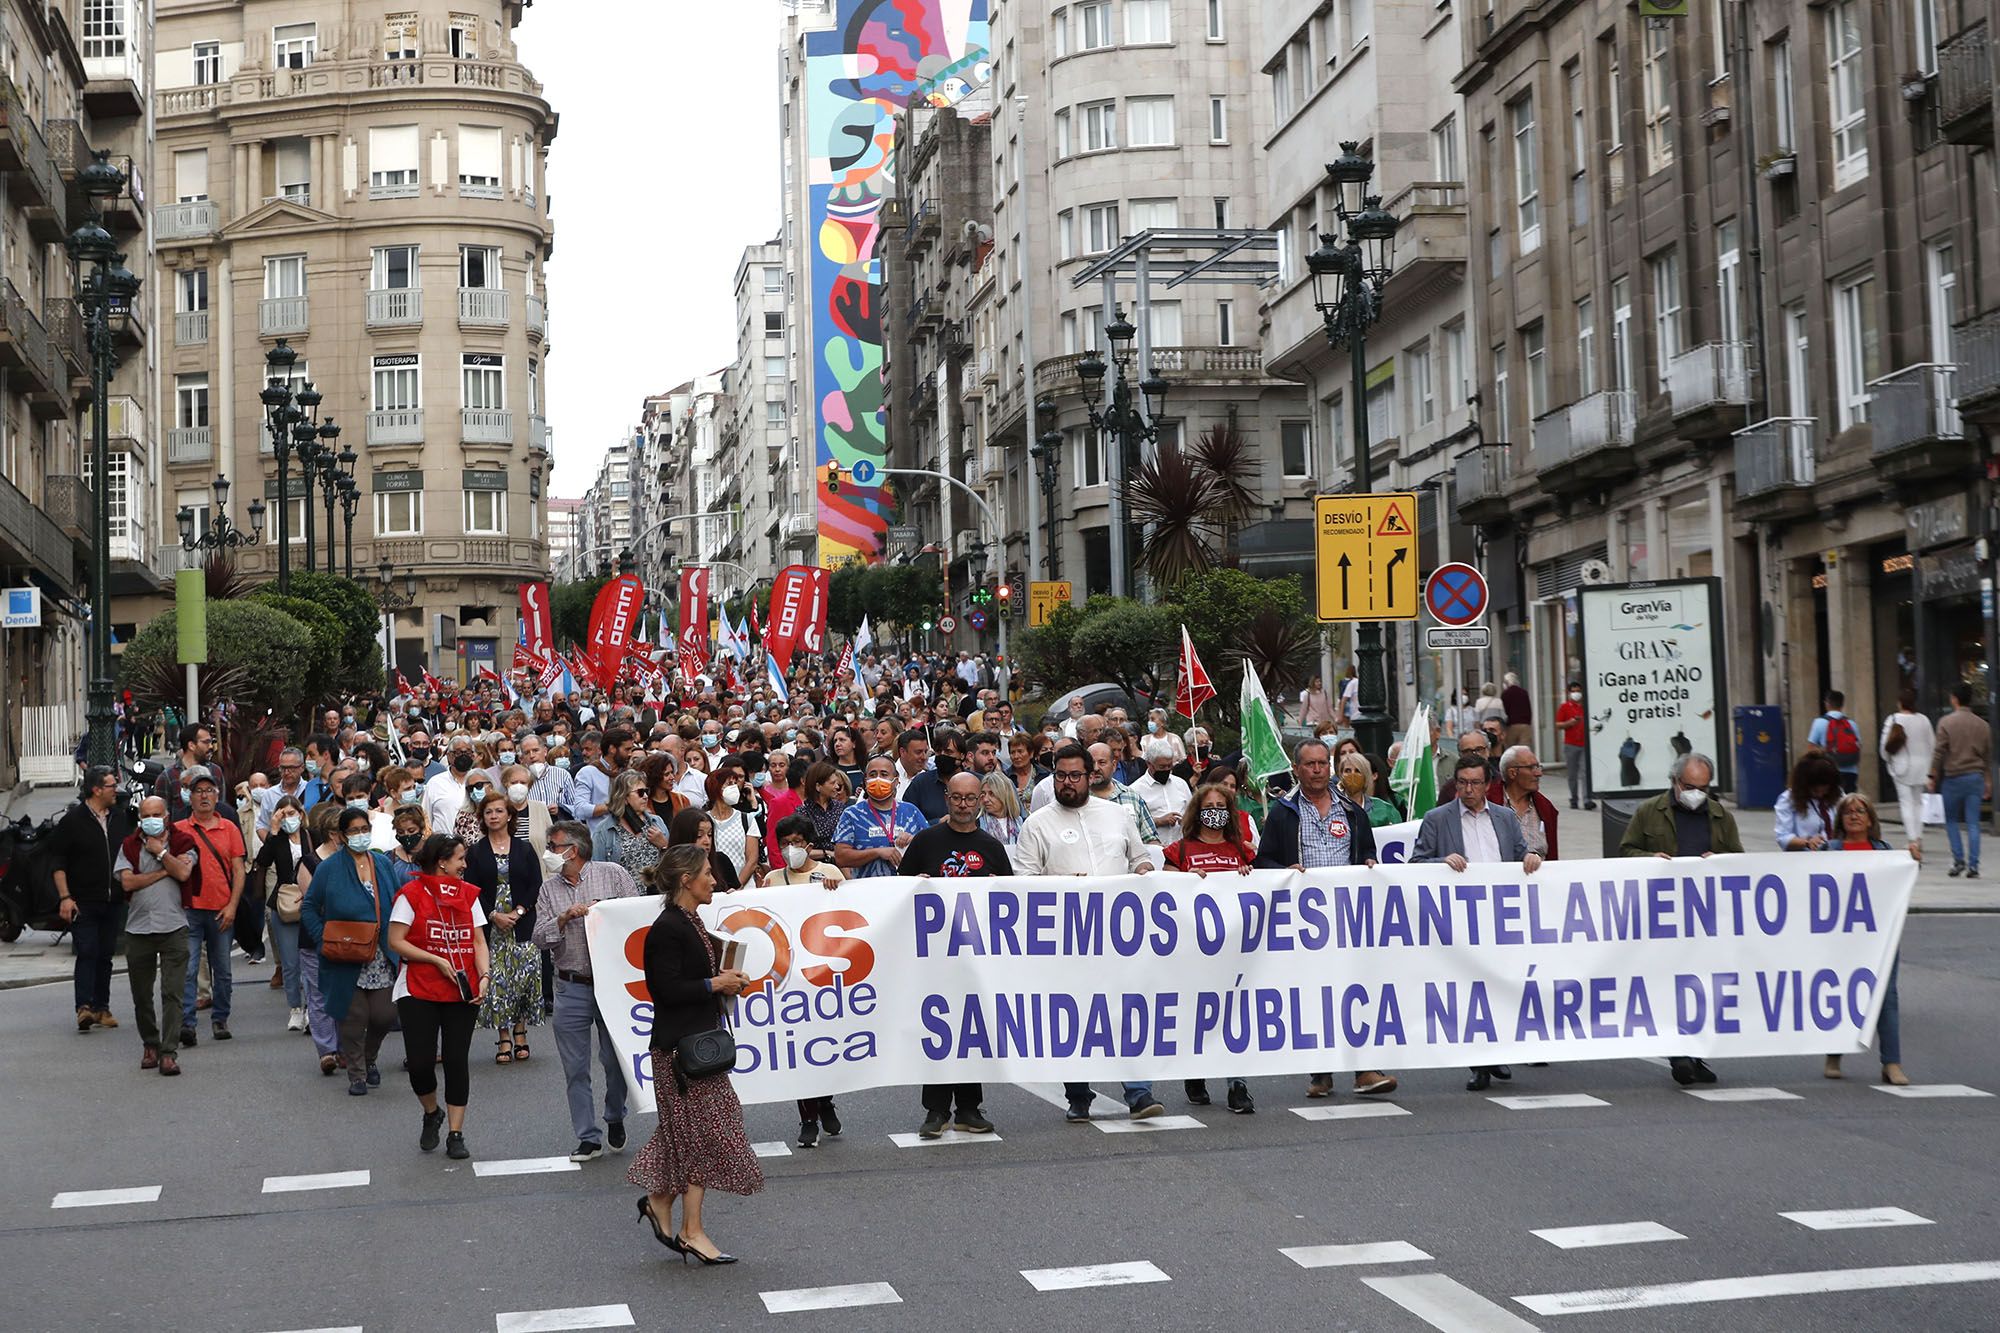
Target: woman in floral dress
{"x": 505, "y": 868}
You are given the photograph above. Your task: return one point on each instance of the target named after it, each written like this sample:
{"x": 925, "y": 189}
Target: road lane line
{"x": 773, "y": 1148}
{"x": 1559, "y": 1101}
{"x": 1610, "y": 1233}
{"x": 331, "y": 1180}
{"x": 1450, "y": 1307}
{"x": 1346, "y": 1256}
{"x": 1358, "y": 1111}
{"x": 1742, "y": 1095}
{"x": 105, "y": 1198}
{"x": 524, "y": 1166}
{"x": 352, "y": 1328}
{"x": 1053, "y": 1094}
{"x": 1158, "y": 1124}
{"x": 1753, "y": 1288}
{"x": 1093, "y": 1275}
{"x": 829, "y": 1298}
{"x": 1921, "y": 1090}
{"x": 1852, "y": 1219}
{"x": 949, "y": 1136}
{"x": 555, "y": 1321}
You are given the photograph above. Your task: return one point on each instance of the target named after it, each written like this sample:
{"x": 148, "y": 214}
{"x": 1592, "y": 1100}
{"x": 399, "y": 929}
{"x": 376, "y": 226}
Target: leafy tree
{"x": 569, "y": 609}
{"x": 1189, "y": 501}
{"x": 1126, "y": 642}
{"x": 322, "y": 680}
{"x": 1232, "y": 617}
{"x": 359, "y": 670}
{"x": 264, "y": 653}
{"x": 845, "y": 598}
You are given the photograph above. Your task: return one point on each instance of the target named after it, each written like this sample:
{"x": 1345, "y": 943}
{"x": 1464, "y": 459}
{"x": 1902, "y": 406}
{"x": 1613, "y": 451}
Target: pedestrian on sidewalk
{"x": 356, "y": 884}
{"x": 214, "y": 895}
{"x": 1834, "y": 732}
{"x": 1962, "y": 772}
{"x": 1908, "y": 741}
{"x": 83, "y": 848}
{"x": 1861, "y": 831}
{"x": 321, "y": 842}
{"x": 197, "y": 742}
{"x": 154, "y": 867}
{"x": 438, "y": 929}
{"x": 1576, "y": 745}
{"x": 575, "y": 882}
{"x": 1802, "y": 818}
{"x": 1520, "y": 713}
{"x": 274, "y": 876}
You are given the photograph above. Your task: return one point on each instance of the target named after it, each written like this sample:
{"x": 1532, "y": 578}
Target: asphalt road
{"x": 1447, "y": 1198}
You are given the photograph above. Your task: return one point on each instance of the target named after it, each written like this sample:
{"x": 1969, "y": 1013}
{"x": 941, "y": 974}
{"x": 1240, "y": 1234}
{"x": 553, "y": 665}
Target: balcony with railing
{"x": 1176, "y": 365}
{"x": 538, "y": 318}
{"x": 1480, "y": 476}
{"x": 395, "y": 307}
{"x": 33, "y": 180}
{"x": 485, "y": 425}
{"x": 115, "y": 76}
{"x": 1917, "y": 429}
{"x": 67, "y": 501}
{"x": 400, "y": 426}
{"x": 1776, "y": 466}
{"x": 1585, "y": 445}
{"x": 190, "y": 328}
{"x": 124, "y": 423}
{"x": 538, "y": 435}
{"x": 64, "y": 322}
{"x": 192, "y": 221}
{"x": 24, "y": 345}
{"x": 1976, "y": 344}
{"x": 278, "y": 316}
{"x": 1431, "y": 230}
{"x": 28, "y": 536}
{"x": 483, "y": 307}
{"x": 191, "y": 444}
{"x": 1965, "y": 87}
{"x": 1707, "y": 383}
{"x": 800, "y": 527}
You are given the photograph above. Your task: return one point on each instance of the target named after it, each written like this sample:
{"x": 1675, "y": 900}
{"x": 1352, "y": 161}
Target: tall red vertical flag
{"x": 537, "y": 630}
{"x": 1194, "y": 688}
{"x": 693, "y": 636}
{"x": 614, "y": 624}
{"x": 791, "y": 611}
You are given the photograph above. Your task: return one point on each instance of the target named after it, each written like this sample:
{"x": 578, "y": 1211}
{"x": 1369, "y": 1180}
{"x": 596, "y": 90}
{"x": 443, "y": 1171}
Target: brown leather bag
{"x": 349, "y": 941}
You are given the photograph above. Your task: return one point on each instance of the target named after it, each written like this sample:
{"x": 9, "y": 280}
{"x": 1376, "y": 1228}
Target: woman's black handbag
{"x": 703, "y": 1055}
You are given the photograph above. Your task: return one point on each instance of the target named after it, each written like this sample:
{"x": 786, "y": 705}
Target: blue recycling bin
{"x": 1760, "y": 755}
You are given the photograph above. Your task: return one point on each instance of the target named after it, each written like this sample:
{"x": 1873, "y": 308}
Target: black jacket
{"x": 1279, "y": 847}
{"x": 678, "y": 966}
{"x": 524, "y": 882}
{"x": 80, "y": 847}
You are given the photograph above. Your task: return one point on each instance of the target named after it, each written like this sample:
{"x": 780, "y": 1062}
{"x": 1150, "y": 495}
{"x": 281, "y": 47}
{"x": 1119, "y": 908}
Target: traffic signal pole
{"x": 992, "y": 526}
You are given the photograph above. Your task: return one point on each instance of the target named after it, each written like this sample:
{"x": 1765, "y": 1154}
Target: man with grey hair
{"x": 1684, "y": 820}
{"x": 291, "y": 782}
{"x": 1520, "y": 711}
{"x": 575, "y": 883}
{"x": 1165, "y": 795}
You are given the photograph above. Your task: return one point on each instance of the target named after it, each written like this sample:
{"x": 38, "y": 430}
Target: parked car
{"x": 1095, "y": 698}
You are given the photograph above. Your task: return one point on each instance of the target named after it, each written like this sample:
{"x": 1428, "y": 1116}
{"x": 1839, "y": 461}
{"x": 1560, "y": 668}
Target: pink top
{"x": 779, "y": 802}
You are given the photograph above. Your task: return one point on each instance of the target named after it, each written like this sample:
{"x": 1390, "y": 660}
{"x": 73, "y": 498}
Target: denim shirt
{"x": 1811, "y": 822}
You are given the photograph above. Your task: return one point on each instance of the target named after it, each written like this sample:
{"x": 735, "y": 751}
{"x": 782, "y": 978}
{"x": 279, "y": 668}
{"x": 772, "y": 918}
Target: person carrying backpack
{"x": 1835, "y": 733}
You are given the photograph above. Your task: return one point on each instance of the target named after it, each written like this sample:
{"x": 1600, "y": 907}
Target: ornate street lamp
{"x": 390, "y": 600}
{"x": 1130, "y": 418}
{"x": 1047, "y": 453}
{"x": 291, "y": 419}
{"x": 222, "y": 534}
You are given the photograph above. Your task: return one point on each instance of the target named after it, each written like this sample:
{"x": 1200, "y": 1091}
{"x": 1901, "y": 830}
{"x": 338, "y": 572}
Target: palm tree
{"x": 1188, "y": 503}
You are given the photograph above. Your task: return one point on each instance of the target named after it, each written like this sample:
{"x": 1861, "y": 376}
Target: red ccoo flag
{"x": 1194, "y": 687}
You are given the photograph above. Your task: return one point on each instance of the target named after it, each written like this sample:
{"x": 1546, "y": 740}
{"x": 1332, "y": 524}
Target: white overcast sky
{"x": 664, "y": 169}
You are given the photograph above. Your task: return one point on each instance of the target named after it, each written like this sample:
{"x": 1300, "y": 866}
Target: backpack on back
{"x": 1843, "y": 742}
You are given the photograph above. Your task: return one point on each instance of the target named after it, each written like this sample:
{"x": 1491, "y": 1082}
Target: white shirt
{"x": 1097, "y": 838}
{"x": 1911, "y": 764}
{"x": 1482, "y": 843}
{"x": 1163, "y": 798}
{"x": 443, "y": 795}
{"x": 1043, "y": 796}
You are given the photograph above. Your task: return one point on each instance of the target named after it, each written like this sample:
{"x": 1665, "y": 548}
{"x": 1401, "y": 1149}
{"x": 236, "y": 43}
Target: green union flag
{"x": 1414, "y": 777}
{"x": 1263, "y": 747}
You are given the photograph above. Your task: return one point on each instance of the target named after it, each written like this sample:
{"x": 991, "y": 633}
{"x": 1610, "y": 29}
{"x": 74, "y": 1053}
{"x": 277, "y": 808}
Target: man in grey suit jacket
{"x": 1468, "y": 830}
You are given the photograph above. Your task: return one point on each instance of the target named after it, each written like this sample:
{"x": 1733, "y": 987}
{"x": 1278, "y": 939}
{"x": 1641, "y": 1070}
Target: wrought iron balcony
{"x": 1480, "y": 476}
{"x": 1917, "y": 428}
{"x": 1965, "y": 87}
{"x": 1774, "y": 457}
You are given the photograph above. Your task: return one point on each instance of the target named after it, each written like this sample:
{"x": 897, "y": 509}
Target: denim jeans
{"x": 1136, "y": 1094}
{"x": 574, "y": 1021}
{"x": 205, "y": 933}
{"x": 325, "y": 1035}
{"x": 285, "y": 935}
{"x": 95, "y": 936}
{"x": 1576, "y": 763}
{"x": 1962, "y": 795}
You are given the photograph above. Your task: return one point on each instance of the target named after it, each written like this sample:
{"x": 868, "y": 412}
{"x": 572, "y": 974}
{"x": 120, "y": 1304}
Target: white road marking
{"x": 1751, "y": 1288}
{"x": 1611, "y": 1233}
{"x": 772, "y": 1149}
{"x": 1931, "y": 1090}
{"x": 331, "y": 1180}
{"x": 1155, "y": 1125}
{"x": 1743, "y": 1094}
{"x": 829, "y": 1298}
{"x": 1851, "y": 1219}
{"x": 553, "y": 1321}
{"x": 105, "y": 1198}
{"x": 1093, "y": 1275}
{"x": 1554, "y": 1102}
{"x": 949, "y": 1136}
{"x": 1357, "y": 1111}
{"x": 1053, "y": 1094}
{"x": 524, "y": 1166}
{"x": 1345, "y": 1256}
{"x": 352, "y": 1328}
{"x": 1448, "y": 1306}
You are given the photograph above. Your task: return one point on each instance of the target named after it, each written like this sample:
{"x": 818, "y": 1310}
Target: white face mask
{"x": 553, "y": 862}
{"x": 731, "y": 794}
{"x": 291, "y": 823}
{"x": 538, "y": 768}
{"x": 517, "y": 793}
{"x": 1576, "y": 696}
{"x": 1691, "y": 797}
{"x": 795, "y": 857}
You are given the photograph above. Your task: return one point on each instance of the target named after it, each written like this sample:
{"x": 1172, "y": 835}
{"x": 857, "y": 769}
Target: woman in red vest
{"x": 438, "y": 929}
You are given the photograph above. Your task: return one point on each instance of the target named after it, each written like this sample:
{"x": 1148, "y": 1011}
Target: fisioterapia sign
{"x": 902, "y": 981}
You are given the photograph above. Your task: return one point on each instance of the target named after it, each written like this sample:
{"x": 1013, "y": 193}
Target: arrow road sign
{"x": 1365, "y": 555}
{"x": 1345, "y": 564}
{"x": 1389, "y": 582}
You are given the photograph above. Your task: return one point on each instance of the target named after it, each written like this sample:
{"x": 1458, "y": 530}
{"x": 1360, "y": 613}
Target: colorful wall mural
{"x": 879, "y": 57}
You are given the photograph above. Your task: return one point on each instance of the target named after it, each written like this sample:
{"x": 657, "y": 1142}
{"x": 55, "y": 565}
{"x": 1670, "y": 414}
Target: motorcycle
{"x": 28, "y": 899}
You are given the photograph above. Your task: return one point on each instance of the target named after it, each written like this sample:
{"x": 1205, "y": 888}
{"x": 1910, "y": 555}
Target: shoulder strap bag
{"x": 703, "y": 1054}
{"x": 353, "y": 942}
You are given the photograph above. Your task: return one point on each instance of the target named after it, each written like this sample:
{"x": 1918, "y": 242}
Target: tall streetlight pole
{"x": 1126, "y": 419}
{"x": 350, "y": 500}
{"x": 222, "y": 534}
{"x": 1359, "y": 269}
{"x": 291, "y": 420}
{"x": 105, "y": 297}
{"x": 390, "y": 601}
{"x": 1047, "y": 453}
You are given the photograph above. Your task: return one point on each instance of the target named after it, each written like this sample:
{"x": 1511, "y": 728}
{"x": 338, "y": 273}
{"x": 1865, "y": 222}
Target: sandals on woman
{"x": 503, "y": 1053}
{"x": 520, "y": 1041}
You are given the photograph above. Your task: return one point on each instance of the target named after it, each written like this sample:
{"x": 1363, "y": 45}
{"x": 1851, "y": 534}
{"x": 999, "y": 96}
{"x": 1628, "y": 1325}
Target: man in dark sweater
{"x": 956, "y": 849}
{"x": 82, "y": 849}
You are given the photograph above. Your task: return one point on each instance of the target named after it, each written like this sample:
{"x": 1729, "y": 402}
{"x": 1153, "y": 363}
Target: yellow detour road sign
{"x": 1044, "y": 598}
{"x": 1367, "y": 556}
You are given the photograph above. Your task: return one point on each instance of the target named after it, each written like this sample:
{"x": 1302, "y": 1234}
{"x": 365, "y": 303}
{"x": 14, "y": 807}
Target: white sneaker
{"x": 297, "y": 1022}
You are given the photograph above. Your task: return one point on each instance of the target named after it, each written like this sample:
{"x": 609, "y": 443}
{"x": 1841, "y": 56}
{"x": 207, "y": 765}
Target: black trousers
{"x": 938, "y": 1097}
{"x": 423, "y": 1021}
{"x": 94, "y": 935}
{"x": 810, "y": 1107}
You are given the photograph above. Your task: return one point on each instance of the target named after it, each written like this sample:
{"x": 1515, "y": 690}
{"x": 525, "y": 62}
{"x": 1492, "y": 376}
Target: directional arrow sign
{"x": 1366, "y": 556}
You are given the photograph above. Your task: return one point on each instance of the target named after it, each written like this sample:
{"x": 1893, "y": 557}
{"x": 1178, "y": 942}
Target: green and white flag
{"x": 1414, "y": 778}
{"x": 1263, "y": 746}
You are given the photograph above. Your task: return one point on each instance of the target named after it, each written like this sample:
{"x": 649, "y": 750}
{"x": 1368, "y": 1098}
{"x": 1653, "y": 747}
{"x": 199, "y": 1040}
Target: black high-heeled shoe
{"x": 659, "y": 1232}
{"x": 690, "y": 1252}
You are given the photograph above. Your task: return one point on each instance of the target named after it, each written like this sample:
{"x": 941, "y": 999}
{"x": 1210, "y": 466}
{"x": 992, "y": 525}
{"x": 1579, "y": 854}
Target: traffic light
{"x": 833, "y": 479}
{"x": 1663, "y": 9}
{"x": 982, "y": 596}
{"x": 1006, "y": 594}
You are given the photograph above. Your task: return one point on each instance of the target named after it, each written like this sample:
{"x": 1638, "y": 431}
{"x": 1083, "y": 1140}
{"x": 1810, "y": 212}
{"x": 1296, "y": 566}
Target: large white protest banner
{"x": 893, "y": 981}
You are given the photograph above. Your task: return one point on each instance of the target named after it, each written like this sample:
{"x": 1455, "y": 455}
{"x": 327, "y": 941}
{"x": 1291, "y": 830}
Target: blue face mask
{"x": 359, "y": 842}
{"x": 709, "y": 740}
{"x": 153, "y": 826}
{"x": 506, "y": 757}
{"x": 312, "y": 768}
{"x": 562, "y": 761}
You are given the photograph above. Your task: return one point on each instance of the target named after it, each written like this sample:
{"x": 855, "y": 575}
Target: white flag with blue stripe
{"x": 777, "y": 678}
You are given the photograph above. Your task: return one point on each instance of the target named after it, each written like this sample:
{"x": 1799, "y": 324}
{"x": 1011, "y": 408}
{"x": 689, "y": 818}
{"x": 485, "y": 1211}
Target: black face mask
{"x": 420, "y": 753}
{"x": 408, "y": 841}
{"x": 461, "y": 763}
{"x": 947, "y": 765}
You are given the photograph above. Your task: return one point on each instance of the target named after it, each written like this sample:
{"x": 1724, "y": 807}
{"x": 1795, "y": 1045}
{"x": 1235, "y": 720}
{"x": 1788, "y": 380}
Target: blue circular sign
{"x": 1456, "y": 594}
{"x": 863, "y": 473}
{"x": 976, "y": 618}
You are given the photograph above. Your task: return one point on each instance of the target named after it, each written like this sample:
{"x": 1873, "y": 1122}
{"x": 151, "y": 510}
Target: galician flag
{"x": 1263, "y": 747}
{"x": 777, "y": 679}
{"x": 864, "y": 639}
{"x": 1194, "y": 687}
{"x": 1414, "y": 777}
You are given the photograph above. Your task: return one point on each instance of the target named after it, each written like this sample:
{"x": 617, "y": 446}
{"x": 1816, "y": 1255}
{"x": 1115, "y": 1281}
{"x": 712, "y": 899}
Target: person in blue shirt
{"x": 872, "y": 833}
{"x": 1834, "y": 732}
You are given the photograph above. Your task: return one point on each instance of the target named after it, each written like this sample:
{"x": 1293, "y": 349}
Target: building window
{"x": 1658, "y": 79}
{"x": 294, "y": 45}
{"x": 1854, "y": 348}
{"x": 105, "y": 34}
{"x": 1100, "y": 226}
{"x": 284, "y": 275}
{"x": 397, "y": 514}
{"x": 479, "y": 266}
{"x": 1295, "y": 447}
{"x": 191, "y": 291}
{"x": 479, "y": 161}
{"x": 774, "y": 324}
{"x": 1063, "y": 144}
{"x": 399, "y": 36}
{"x": 191, "y": 401}
{"x": 1070, "y": 345}
{"x": 1218, "y": 120}
{"x": 1100, "y": 126}
{"x": 1784, "y": 125}
{"x": 483, "y": 381}
{"x": 1847, "y": 109}
{"x": 1423, "y": 395}
{"x": 1929, "y": 25}
{"x": 462, "y": 37}
{"x": 395, "y": 268}
{"x": 1146, "y": 21}
{"x": 1066, "y": 235}
{"x": 1155, "y": 215}
{"x": 207, "y": 63}
{"x": 1579, "y": 145}
{"x": 1665, "y": 270}
{"x": 486, "y": 513}
{"x": 774, "y": 367}
{"x": 1093, "y": 25}
{"x": 1359, "y": 18}
{"x": 1534, "y": 351}
{"x": 1281, "y": 90}
{"x": 1456, "y": 369}
{"x": 1215, "y": 20}
{"x": 1527, "y": 188}
{"x": 293, "y": 170}
{"x": 1444, "y": 150}
{"x": 196, "y": 502}
{"x": 1165, "y": 319}
{"x": 1089, "y": 457}
{"x": 1798, "y": 373}
{"x": 1059, "y": 33}
{"x": 1225, "y": 323}
{"x": 774, "y": 413}
{"x": 1501, "y": 406}
{"x": 1614, "y": 122}
{"x": 398, "y": 384}
{"x": 392, "y": 162}
{"x": 1586, "y": 347}
{"x": 1728, "y": 268}
{"x": 191, "y": 175}
{"x": 1381, "y": 402}
{"x": 1621, "y": 334}
{"x": 1941, "y": 298}
{"x": 1221, "y": 203}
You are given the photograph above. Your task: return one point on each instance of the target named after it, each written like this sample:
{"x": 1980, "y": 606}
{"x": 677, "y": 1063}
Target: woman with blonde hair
{"x": 1000, "y": 808}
